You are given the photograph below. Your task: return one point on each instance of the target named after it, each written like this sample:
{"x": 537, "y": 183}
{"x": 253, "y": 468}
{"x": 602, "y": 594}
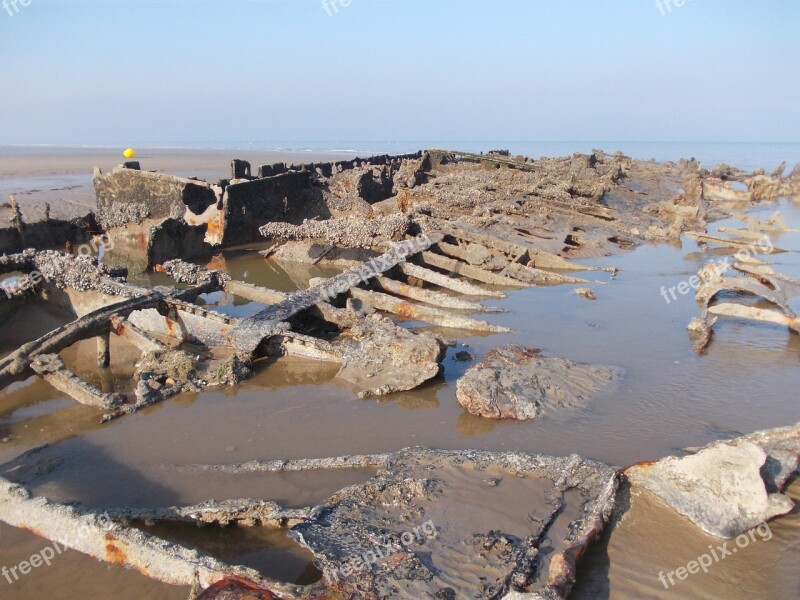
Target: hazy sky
{"x": 200, "y": 71}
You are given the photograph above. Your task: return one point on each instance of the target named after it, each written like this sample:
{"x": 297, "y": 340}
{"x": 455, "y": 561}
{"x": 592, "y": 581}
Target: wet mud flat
{"x": 522, "y": 518}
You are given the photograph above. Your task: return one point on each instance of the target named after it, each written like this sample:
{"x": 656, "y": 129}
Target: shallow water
{"x": 669, "y": 398}
{"x": 71, "y": 575}
{"x": 636, "y": 559}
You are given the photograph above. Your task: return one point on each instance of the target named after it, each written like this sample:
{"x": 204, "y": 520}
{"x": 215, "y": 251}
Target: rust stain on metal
{"x": 399, "y": 557}
{"x": 236, "y": 588}
{"x": 114, "y": 555}
{"x": 216, "y": 227}
{"x": 405, "y": 310}
{"x": 171, "y": 325}
{"x": 643, "y": 464}
{"x": 217, "y": 263}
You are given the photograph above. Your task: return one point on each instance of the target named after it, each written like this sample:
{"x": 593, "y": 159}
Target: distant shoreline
{"x": 64, "y": 178}
{"x": 745, "y": 155}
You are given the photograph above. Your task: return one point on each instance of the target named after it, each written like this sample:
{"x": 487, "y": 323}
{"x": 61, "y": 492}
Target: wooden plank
{"x": 535, "y": 276}
{"x": 470, "y": 271}
{"x": 136, "y": 336}
{"x": 333, "y": 287}
{"x": 431, "y": 297}
{"x": 755, "y": 247}
{"x": 254, "y": 293}
{"x": 51, "y": 368}
{"x": 467, "y": 234}
{"x": 455, "y": 285}
{"x": 427, "y": 314}
{"x": 492, "y": 263}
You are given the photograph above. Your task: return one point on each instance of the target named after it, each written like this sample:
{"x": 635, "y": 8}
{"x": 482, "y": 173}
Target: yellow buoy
{"x": 129, "y": 153}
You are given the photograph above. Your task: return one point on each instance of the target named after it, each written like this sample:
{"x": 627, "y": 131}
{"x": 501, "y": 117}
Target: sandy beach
{"x": 63, "y": 176}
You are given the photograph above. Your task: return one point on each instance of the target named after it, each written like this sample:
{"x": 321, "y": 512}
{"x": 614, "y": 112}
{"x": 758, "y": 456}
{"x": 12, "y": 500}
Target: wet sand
{"x": 72, "y": 575}
{"x": 652, "y": 540}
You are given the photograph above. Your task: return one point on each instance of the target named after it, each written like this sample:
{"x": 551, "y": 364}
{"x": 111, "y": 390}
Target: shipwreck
{"x": 436, "y": 237}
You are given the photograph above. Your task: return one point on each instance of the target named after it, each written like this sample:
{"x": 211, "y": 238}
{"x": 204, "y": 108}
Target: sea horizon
{"x": 746, "y": 155}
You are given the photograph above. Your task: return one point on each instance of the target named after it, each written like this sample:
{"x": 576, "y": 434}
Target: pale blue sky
{"x": 199, "y": 71}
